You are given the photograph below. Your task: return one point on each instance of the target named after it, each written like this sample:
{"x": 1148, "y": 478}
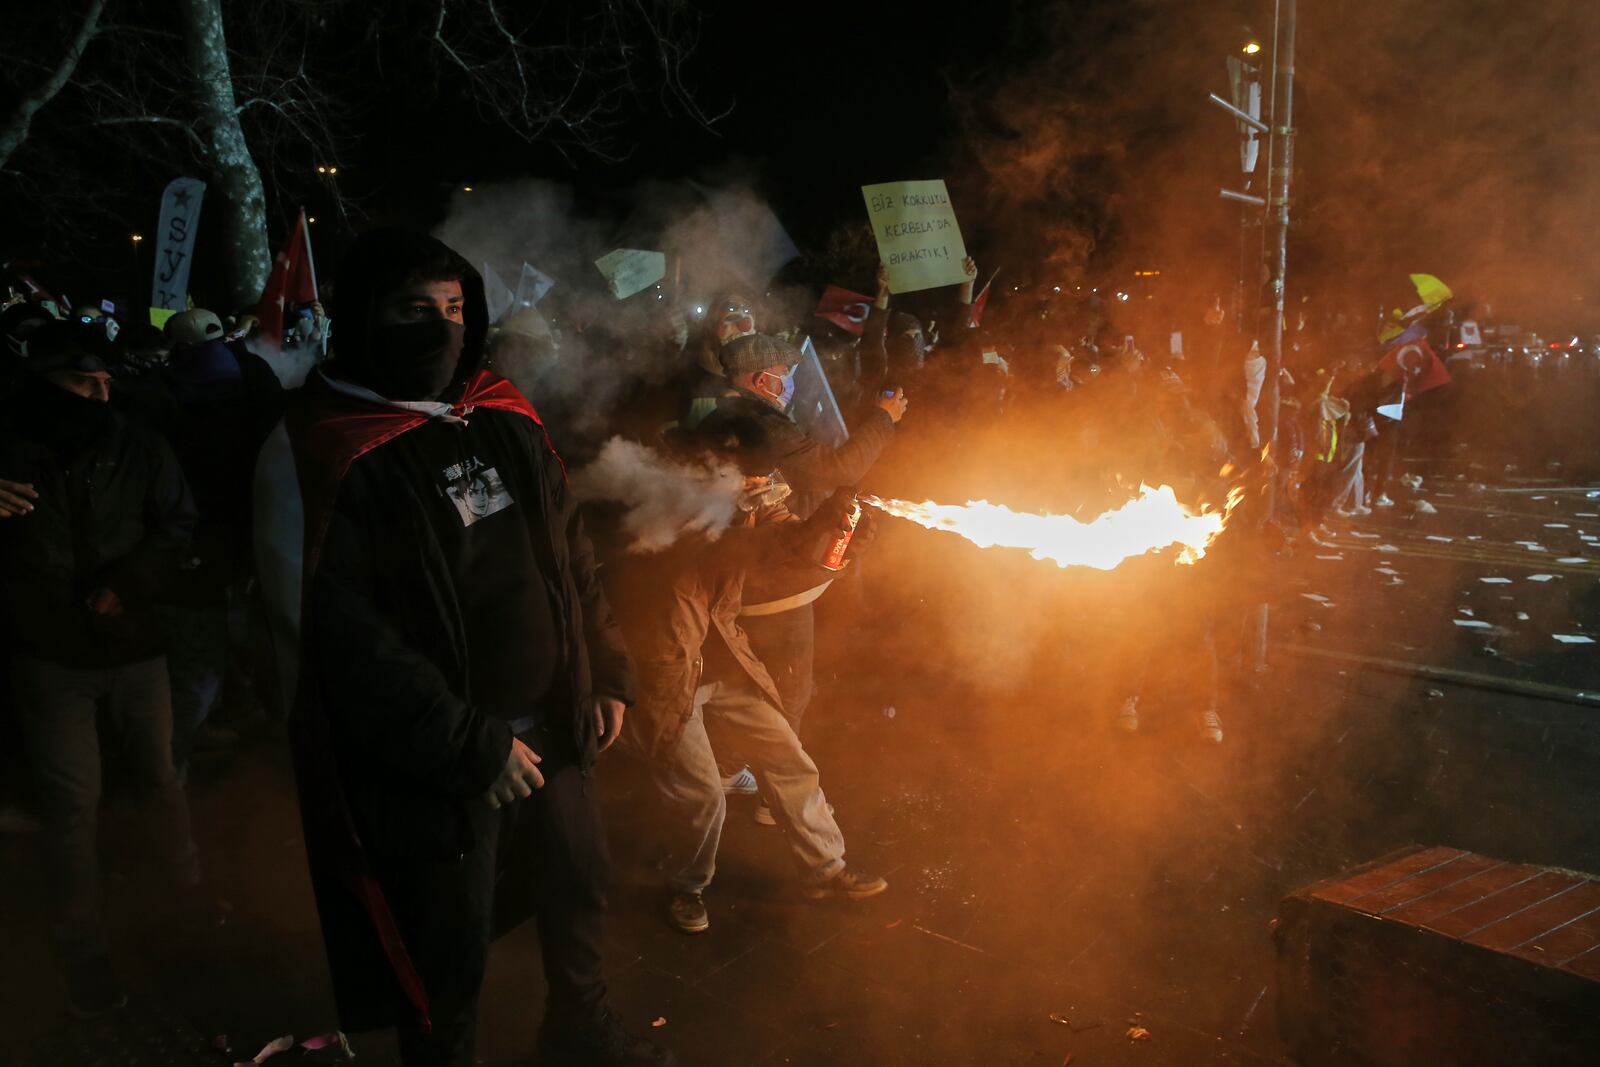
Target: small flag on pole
{"x": 293, "y": 281}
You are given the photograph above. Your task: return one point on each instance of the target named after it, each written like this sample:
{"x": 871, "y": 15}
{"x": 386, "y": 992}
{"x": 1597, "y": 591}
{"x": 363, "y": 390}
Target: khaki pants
{"x": 691, "y": 786}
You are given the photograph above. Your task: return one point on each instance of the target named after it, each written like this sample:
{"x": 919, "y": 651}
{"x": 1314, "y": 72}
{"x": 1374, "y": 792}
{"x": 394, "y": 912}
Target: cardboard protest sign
{"x": 631, "y": 270}
{"x": 180, "y": 219}
{"x": 918, "y": 239}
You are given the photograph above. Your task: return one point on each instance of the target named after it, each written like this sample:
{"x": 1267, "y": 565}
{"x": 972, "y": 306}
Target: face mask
{"x": 785, "y": 394}
{"x": 415, "y": 360}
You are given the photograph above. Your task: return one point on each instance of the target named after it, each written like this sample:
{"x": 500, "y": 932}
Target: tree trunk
{"x": 240, "y": 203}
{"x": 17, "y": 126}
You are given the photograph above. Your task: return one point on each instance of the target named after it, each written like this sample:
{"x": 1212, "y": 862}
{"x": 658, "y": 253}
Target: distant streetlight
{"x": 323, "y": 168}
{"x": 466, "y": 188}
{"x": 312, "y": 219}
{"x": 136, "y": 238}
{"x": 1251, "y": 48}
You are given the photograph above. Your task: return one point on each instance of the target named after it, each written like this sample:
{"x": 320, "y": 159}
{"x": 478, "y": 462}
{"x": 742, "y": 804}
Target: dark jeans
{"x": 785, "y": 644}
{"x": 548, "y": 849}
{"x": 57, "y": 710}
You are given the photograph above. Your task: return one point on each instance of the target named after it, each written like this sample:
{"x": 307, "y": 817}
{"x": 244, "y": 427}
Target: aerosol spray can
{"x": 834, "y": 548}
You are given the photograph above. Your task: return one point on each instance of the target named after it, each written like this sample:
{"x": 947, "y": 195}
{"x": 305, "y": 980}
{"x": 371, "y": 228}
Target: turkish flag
{"x": 1415, "y": 364}
{"x": 293, "y": 281}
{"x": 975, "y": 314}
{"x": 844, "y": 309}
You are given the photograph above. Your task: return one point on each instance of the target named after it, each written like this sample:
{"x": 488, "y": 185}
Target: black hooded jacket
{"x": 113, "y": 512}
{"x": 450, "y": 595}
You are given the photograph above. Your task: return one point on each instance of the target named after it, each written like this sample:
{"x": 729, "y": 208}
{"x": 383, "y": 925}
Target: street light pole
{"x": 1280, "y": 170}
{"x": 1280, "y": 167}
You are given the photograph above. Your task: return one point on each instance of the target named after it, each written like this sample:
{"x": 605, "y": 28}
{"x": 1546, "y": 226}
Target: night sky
{"x": 1455, "y": 137}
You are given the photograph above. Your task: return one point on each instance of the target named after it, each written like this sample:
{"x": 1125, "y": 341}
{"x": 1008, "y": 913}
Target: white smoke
{"x": 664, "y": 499}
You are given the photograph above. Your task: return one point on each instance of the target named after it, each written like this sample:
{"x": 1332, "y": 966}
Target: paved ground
{"x": 1052, "y": 883}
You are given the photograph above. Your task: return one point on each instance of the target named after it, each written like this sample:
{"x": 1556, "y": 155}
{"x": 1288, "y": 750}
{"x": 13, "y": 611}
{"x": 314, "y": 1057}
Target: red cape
{"x": 328, "y": 430}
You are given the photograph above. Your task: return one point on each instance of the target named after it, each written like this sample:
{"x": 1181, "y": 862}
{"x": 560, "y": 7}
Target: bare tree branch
{"x": 21, "y": 122}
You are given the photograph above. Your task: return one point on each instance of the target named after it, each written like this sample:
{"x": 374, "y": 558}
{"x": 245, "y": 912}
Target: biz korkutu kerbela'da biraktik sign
{"x": 918, "y": 238}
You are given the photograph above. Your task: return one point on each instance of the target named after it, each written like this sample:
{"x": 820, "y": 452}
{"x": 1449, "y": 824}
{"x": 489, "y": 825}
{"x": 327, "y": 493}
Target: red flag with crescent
{"x": 1414, "y": 363}
{"x": 844, "y": 309}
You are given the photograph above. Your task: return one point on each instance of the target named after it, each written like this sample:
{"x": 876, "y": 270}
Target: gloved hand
{"x": 833, "y": 516}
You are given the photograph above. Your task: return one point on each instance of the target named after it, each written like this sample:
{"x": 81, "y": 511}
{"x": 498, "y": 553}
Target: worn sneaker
{"x": 1383, "y": 501}
{"x": 605, "y": 1042}
{"x": 1211, "y": 726}
{"x": 1128, "y": 717}
{"x": 92, "y": 987}
{"x": 1361, "y": 509}
{"x": 741, "y": 782}
{"x": 849, "y": 885}
{"x": 688, "y": 913}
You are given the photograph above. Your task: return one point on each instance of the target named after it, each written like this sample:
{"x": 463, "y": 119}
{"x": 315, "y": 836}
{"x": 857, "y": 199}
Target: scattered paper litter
{"x": 1495, "y": 581}
{"x": 1523, "y": 616}
{"x": 1138, "y": 1033}
{"x": 1384, "y": 548}
{"x": 1573, "y": 639}
{"x": 1363, "y": 536}
{"x": 1541, "y": 577}
{"x": 1573, "y": 559}
{"x": 1476, "y": 624}
{"x": 1437, "y": 537}
{"x": 1465, "y": 611}
{"x": 1390, "y": 571}
{"x": 1556, "y": 526}
{"x": 1330, "y": 557}
{"x": 1422, "y": 507}
{"x": 659, "y": 1021}
{"x": 1474, "y": 537}
{"x": 1538, "y": 498}
{"x": 1319, "y": 598}
{"x": 1536, "y": 548}
{"x": 1586, "y": 514}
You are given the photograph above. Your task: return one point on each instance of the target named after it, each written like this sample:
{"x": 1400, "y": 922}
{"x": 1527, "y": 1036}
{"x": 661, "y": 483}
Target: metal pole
{"x": 1278, "y": 199}
{"x": 1280, "y": 163}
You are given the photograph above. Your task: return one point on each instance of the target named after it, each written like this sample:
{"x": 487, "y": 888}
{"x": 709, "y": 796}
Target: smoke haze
{"x": 662, "y": 500}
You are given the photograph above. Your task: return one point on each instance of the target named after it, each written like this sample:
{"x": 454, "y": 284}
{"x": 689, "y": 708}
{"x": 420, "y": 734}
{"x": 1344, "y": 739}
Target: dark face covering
{"x": 59, "y": 418}
{"x": 415, "y": 360}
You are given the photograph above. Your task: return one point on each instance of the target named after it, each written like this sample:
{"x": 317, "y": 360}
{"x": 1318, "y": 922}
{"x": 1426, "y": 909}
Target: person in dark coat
{"x": 458, "y": 667}
{"x": 94, "y": 519}
{"x": 779, "y": 605}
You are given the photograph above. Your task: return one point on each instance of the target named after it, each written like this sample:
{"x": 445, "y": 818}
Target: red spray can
{"x": 834, "y": 548}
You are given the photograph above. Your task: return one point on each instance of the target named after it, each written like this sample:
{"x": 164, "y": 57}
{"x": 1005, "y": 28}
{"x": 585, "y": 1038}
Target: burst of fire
{"x": 1153, "y": 520}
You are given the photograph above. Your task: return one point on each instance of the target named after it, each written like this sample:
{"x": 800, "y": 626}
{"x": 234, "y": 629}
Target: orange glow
{"x": 1151, "y": 521}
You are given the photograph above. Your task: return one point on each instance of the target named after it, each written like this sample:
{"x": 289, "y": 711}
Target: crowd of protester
{"x": 364, "y": 529}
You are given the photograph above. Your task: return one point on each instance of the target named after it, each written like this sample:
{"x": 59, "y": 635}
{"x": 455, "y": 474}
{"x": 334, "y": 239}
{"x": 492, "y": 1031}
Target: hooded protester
{"x": 455, "y": 665}
{"x": 94, "y": 518}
